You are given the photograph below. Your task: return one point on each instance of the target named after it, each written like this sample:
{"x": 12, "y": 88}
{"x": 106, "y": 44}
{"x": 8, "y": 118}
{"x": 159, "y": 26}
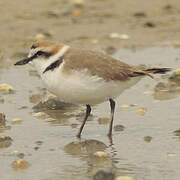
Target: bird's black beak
{"x": 22, "y": 62}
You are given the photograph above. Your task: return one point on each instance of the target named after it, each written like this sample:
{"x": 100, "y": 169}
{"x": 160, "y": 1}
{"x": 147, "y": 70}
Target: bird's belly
{"x": 82, "y": 88}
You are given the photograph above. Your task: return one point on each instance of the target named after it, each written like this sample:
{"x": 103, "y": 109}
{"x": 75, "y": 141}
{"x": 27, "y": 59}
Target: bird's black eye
{"x": 33, "y": 47}
{"x": 40, "y": 53}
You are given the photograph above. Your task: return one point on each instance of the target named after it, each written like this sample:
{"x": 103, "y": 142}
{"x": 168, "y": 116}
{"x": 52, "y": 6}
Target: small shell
{"x": 124, "y": 178}
{"x": 6, "y": 88}
{"x": 16, "y": 121}
{"x": 125, "y": 106}
{"x": 141, "y": 111}
{"x": 20, "y": 164}
{"x": 101, "y": 154}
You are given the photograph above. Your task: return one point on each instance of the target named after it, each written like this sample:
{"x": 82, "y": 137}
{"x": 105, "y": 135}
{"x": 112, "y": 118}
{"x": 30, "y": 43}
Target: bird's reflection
{"x": 101, "y": 158}
{"x": 93, "y": 152}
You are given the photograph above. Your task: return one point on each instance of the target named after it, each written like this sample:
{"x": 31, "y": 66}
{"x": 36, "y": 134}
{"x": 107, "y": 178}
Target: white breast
{"x": 80, "y": 87}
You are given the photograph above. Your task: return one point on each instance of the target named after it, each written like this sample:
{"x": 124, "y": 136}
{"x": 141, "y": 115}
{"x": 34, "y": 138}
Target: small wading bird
{"x": 84, "y": 77}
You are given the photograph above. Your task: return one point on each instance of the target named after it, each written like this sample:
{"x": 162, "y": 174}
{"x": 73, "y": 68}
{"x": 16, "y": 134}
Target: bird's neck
{"x": 41, "y": 64}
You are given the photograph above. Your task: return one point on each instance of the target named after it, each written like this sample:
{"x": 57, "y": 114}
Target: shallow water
{"x": 49, "y": 142}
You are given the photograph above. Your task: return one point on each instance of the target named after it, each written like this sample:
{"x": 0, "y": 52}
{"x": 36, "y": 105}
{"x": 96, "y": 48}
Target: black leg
{"x": 88, "y": 111}
{"x": 112, "y": 105}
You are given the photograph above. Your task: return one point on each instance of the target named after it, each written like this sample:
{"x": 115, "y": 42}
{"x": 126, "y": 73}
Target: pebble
{"x": 101, "y": 154}
{"x": 4, "y": 138}
{"x": 53, "y": 13}
{"x": 78, "y": 3}
{"x": 5, "y": 141}
{"x": 16, "y": 121}
{"x": 2, "y": 119}
{"x": 171, "y": 155}
{"x": 39, "y": 143}
{"x": 20, "y": 164}
{"x": 141, "y": 111}
{"x": 118, "y": 36}
{"x": 40, "y": 36}
{"x": 177, "y": 130}
{"x": 15, "y": 152}
{"x": 119, "y": 128}
{"x": 1, "y": 100}
{"x": 148, "y": 92}
{"x": 166, "y": 86}
{"x": 149, "y": 24}
{"x": 40, "y": 115}
{"x": 147, "y": 138}
{"x": 36, "y": 148}
{"x": 175, "y": 76}
{"x": 18, "y": 154}
{"x": 94, "y": 41}
{"x": 125, "y": 106}
{"x": 6, "y": 88}
{"x": 124, "y": 178}
{"x": 140, "y": 14}
{"x": 132, "y": 105}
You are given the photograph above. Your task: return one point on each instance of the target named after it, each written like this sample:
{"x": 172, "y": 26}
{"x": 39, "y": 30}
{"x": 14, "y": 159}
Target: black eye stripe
{"x": 40, "y": 53}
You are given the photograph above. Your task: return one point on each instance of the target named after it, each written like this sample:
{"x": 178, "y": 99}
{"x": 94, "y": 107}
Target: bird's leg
{"x": 88, "y": 111}
{"x": 112, "y": 105}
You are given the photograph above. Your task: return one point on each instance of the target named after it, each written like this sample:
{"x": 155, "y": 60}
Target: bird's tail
{"x": 143, "y": 71}
{"x": 158, "y": 70}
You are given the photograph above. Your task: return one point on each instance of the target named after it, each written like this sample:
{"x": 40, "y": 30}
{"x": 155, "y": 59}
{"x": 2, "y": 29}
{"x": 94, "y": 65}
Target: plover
{"x": 83, "y": 76}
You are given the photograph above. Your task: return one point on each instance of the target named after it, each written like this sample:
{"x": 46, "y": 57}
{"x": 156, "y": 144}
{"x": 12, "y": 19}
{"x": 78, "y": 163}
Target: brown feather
{"x": 99, "y": 64}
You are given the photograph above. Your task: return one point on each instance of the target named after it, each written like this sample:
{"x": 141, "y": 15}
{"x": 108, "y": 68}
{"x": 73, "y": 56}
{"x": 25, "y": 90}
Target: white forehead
{"x": 33, "y": 51}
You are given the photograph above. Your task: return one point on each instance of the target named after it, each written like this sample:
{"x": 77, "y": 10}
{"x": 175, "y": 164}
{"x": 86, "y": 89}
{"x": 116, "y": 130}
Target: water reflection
{"x": 98, "y": 161}
{"x": 51, "y": 104}
{"x": 56, "y": 112}
{"x": 84, "y": 147}
{"x": 169, "y": 89}
{"x": 87, "y": 150}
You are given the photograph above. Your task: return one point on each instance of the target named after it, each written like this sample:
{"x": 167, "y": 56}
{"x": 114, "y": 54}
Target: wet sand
{"x": 146, "y": 148}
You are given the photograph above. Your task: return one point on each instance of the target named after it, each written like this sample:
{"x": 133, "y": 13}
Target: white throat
{"x": 41, "y": 64}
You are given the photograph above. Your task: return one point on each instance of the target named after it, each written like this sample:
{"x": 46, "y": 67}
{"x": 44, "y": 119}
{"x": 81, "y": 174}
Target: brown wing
{"x": 99, "y": 64}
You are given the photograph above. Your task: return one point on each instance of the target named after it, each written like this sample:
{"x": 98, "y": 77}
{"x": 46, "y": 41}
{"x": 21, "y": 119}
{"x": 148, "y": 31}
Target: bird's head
{"x": 42, "y": 54}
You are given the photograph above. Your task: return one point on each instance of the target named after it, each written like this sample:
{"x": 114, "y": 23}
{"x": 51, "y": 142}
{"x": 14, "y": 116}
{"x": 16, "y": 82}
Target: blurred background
{"x": 88, "y": 23}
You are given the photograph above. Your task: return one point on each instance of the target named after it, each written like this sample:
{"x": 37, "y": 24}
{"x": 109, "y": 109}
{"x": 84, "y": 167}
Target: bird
{"x": 84, "y": 77}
